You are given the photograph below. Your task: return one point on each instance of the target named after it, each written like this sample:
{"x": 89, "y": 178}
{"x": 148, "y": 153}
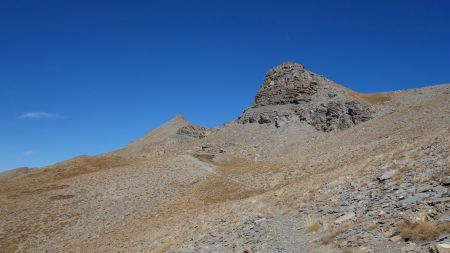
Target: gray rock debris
{"x": 412, "y": 200}
{"x": 387, "y": 175}
{"x": 345, "y": 217}
{"x": 192, "y": 131}
{"x": 290, "y": 93}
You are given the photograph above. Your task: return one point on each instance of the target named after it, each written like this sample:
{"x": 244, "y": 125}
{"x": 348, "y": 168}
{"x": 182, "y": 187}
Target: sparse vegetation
{"x": 326, "y": 196}
{"x": 164, "y": 247}
{"x": 375, "y": 98}
{"x": 312, "y": 226}
{"x": 331, "y": 235}
{"x": 403, "y": 168}
{"x": 372, "y": 227}
{"x": 397, "y": 176}
{"x": 444, "y": 227}
{"x": 423, "y": 230}
{"x": 267, "y": 188}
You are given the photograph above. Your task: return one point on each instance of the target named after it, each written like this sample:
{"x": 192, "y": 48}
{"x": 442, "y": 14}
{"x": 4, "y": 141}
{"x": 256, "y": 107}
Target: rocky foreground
{"x": 310, "y": 166}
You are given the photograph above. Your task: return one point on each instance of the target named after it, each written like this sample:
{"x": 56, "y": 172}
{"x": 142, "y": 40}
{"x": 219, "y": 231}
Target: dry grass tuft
{"x": 312, "y": 226}
{"x": 375, "y": 98}
{"x": 330, "y": 236}
{"x": 165, "y": 246}
{"x": 423, "y": 230}
{"x": 372, "y": 227}
{"x": 444, "y": 227}
{"x": 403, "y": 168}
{"x": 326, "y": 196}
{"x": 397, "y": 176}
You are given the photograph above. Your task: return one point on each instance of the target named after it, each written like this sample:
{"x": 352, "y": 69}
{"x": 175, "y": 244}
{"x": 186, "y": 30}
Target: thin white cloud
{"x": 41, "y": 115}
{"x": 29, "y": 153}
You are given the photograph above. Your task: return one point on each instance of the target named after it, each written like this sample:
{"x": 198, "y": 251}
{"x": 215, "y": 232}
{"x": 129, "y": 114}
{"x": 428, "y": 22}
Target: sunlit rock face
{"x": 292, "y": 94}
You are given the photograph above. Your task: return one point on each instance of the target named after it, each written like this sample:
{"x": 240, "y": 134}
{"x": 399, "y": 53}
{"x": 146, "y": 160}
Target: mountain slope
{"x": 253, "y": 186}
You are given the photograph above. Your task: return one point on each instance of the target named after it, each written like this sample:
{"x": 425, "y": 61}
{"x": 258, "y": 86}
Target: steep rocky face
{"x": 286, "y": 84}
{"x": 290, "y": 93}
{"x": 193, "y": 131}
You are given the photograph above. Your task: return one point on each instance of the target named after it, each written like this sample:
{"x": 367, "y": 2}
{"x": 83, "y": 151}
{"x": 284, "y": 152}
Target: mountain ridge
{"x": 288, "y": 185}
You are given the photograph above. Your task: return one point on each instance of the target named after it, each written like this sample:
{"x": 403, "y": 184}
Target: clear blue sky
{"x": 86, "y": 77}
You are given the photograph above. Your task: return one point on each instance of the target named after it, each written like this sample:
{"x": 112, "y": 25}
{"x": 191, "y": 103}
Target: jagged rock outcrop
{"x": 193, "y": 131}
{"x": 290, "y": 93}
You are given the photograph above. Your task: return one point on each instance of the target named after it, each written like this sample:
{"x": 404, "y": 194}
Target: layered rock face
{"x": 193, "y": 131}
{"x": 290, "y": 93}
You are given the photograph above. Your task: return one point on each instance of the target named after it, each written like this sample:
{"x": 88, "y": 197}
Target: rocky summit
{"x": 290, "y": 93}
{"x": 310, "y": 166}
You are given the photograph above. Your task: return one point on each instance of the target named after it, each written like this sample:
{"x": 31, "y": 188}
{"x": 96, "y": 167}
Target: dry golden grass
{"x": 399, "y": 155}
{"x": 444, "y": 227}
{"x": 435, "y": 176}
{"x": 84, "y": 165}
{"x": 423, "y": 230}
{"x": 44, "y": 189}
{"x": 326, "y": 196}
{"x": 397, "y": 176}
{"x": 7, "y": 175}
{"x": 33, "y": 181}
{"x": 375, "y": 98}
{"x": 403, "y": 168}
{"x": 330, "y": 236}
{"x": 164, "y": 247}
{"x": 312, "y": 226}
{"x": 372, "y": 227}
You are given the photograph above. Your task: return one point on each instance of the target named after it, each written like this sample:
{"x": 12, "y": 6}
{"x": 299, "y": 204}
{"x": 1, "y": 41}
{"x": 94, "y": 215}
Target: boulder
{"x": 395, "y": 238}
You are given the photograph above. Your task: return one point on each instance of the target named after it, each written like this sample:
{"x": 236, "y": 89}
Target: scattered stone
{"x": 444, "y": 217}
{"x": 387, "y": 175}
{"x": 412, "y": 200}
{"x": 390, "y": 232}
{"x": 425, "y": 188}
{"x": 442, "y": 200}
{"x": 442, "y": 248}
{"x": 395, "y": 238}
{"x": 445, "y": 181}
{"x": 409, "y": 247}
{"x": 345, "y": 217}
{"x": 440, "y": 189}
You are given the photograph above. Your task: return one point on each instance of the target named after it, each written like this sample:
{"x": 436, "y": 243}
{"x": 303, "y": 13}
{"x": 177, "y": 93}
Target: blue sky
{"x": 86, "y": 77}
